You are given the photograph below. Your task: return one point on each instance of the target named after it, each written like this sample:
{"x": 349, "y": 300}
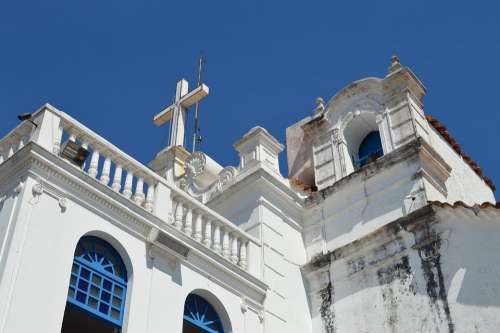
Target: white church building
{"x": 383, "y": 224}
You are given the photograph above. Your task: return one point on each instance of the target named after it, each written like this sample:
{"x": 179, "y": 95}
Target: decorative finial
{"x": 320, "y": 105}
{"x": 395, "y": 64}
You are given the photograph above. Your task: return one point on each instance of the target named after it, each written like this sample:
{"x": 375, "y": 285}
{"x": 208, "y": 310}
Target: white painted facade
{"x": 337, "y": 247}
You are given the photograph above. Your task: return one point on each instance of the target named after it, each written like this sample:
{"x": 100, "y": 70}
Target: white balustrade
{"x": 11, "y": 150}
{"x": 13, "y": 144}
{"x": 188, "y": 223}
{"x": 105, "y": 171}
{"x": 113, "y": 159}
{"x": 148, "y": 205}
{"x": 198, "y": 227}
{"x": 217, "y": 244}
{"x": 139, "y": 192}
{"x": 179, "y": 216}
{"x": 94, "y": 164}
{"x": 243, "y": 255}
{"x": 207, "y": 235}
{"x": 208, "y": 228}
{"x": 234, "y": 250}
{"x": 117, "y": 179}
{"x": 21, "y": 143}
{"x": 127, "y": 190}
{"x": 225, "y": 243}
{"x": 15, "y": 140}
{"x": 85, "y": 145}
{"x": 212, "y": 230}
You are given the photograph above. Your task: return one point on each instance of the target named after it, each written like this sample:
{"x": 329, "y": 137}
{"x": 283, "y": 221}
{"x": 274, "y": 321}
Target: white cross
{"x": 177, "y": 111}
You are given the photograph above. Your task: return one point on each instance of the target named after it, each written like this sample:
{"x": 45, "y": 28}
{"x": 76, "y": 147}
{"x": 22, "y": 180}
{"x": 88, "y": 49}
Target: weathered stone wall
{"x": 420, "y": 273}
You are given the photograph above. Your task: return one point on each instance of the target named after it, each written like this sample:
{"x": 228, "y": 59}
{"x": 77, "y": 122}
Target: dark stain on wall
{"x": 401, "y": 271}
{"x": 431, "y": 266}
{"x": 327, "y": 314}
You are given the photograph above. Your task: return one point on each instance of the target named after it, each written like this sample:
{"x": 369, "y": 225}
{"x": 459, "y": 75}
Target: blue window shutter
{"x": 98, "y": 283}
{"x": 200, "y": 313}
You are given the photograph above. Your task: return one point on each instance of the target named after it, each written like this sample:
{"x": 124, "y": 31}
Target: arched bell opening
{"x": 97, "y": 289}
{"x": 362, "y": 139}
{"x": 204, "y": 313}
{"x": 369, "y": 150}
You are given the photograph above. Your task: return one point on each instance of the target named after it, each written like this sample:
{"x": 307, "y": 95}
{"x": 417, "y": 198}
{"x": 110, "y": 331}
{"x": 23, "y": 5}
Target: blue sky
{"x": 114, "y": 64}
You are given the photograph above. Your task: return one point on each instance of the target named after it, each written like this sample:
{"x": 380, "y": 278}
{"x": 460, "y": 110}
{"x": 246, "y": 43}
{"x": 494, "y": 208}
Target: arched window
{"x": 200, "y": 316}
{"x": 97, "y": 288}
{"x": 370, "y": 149}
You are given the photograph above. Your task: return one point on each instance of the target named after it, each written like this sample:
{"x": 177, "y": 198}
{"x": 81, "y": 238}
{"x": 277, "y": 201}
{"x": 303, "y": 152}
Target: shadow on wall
{"x": 470, "y": 262}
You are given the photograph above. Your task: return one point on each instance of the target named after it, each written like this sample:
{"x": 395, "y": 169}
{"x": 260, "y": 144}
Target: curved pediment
{"x": 364, "y": 95}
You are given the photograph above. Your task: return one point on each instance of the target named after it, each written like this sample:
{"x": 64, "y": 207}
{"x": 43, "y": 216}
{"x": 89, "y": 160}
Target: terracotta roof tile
{"x": 299, "y": 184}
{"x": 441, "y": 129}
{"x": 460, "y": 204}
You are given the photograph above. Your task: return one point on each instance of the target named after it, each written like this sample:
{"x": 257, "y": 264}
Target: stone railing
{"x": 109, "y": 165}
{"x": 15, "y": 140}
{"x": 139, "y": 184}
{"x": 211, "y": 229}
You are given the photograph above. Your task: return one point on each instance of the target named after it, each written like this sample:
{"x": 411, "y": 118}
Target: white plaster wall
{"x": 389, "y": 286}
{"x": 471, "y": 268}
{"x": 39, "y": 263}
{"x": 366, "y": 203}
{"x": 463, "y": 184}
{"x": 7, "y": 210}
{"x": 385, "y": 299}
{"x": 267, "y": 215}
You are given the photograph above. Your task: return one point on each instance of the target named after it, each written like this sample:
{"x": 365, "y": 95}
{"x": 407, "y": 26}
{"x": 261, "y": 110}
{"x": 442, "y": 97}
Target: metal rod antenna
{"x": 196, "y": 137}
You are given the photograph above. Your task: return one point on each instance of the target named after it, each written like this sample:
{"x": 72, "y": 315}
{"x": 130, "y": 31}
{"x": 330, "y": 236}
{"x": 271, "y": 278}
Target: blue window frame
{"x": 369, "y": 149}
{"x": 98, "y": 283}
{"x": 200, "y": 313}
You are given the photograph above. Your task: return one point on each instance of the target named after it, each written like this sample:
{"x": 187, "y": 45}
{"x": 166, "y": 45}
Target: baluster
{"x": 207, "y": 236}
{"x": 217, "y": 245}
{"x": 85, "y": 145}
{"x": 117, "y": 179}
{"x": 127, "y": 191}
{"x": 150, "y": 198}
{"x": 94, "y": 164}
{"x": 243, "y": 255}
{"x": 10, "y": 152}
{"x": 198, "y": 225}
{"x": 188, "y": 225}
{"x": 179, "y": 215}
{"x": 234, "y": 249}
{"x": 139, "y": 192}
{"x": 225, "y": 243}
{"x": 105, "y": 171}
{"x": 21, "y": 143}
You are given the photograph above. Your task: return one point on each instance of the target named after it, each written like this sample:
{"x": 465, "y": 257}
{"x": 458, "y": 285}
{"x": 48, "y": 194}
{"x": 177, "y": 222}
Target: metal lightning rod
{"x": 196, "y": 137}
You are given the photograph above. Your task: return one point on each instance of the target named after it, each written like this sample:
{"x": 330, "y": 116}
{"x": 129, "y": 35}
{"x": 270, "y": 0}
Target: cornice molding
{"x": 260, "y": 173}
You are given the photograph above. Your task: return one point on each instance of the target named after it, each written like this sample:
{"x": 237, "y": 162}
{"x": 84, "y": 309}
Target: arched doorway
{"x": 200, "y": 316}
{"x": 97, "y": 289}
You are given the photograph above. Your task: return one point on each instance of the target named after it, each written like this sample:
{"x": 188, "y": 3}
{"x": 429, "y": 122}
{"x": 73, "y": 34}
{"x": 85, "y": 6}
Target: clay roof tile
{"x": 441, "y": 129}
